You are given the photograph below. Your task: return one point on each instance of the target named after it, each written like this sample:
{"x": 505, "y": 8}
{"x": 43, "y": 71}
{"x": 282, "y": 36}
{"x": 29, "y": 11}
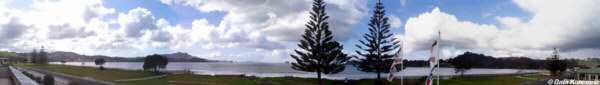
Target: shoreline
{"x": 330, "y": 77}
{"x": 194, "y": 79}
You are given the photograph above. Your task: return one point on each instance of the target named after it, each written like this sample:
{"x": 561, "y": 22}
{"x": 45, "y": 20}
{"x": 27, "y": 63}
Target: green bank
{"x": 110, "y": 75}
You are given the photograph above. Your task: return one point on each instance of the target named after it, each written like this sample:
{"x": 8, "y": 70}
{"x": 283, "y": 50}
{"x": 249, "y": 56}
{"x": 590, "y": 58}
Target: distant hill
{"x": 178, "y": 55}
{"x": 590, "y": 62}
{"x": 13, "y": 56}
{"x": 74, "y": 57}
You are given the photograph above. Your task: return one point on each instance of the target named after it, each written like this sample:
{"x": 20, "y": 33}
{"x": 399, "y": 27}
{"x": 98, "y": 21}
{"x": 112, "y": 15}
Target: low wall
{"x": 19, "y": 78}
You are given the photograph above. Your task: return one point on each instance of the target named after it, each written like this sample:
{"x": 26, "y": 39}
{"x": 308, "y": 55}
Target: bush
{"x": 38, "y": 79}
{"x": 102, "y": 68}
{"x": 48, "y": 80}
{"x": 27, "y": 74}
{"x": 73, "y": 83}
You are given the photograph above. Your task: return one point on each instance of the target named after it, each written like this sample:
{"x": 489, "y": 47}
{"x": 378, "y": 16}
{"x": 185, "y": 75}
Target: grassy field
{"x": 111, "y": 75}
{"x": 504, "y": 80}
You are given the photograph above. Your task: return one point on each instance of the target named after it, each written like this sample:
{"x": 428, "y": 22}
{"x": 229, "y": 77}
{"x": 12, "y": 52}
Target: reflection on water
{"x": 283, "y": 69}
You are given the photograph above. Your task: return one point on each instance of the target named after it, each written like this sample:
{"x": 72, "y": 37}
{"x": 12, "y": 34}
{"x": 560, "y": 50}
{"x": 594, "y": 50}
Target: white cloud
{"x": 281, "y": 21}
{"x": 569, "y": 26}
{"x": 446, "y": 53}
{"x": 136, "y": 23}
{"x": 582, "y": 53}
{"x": 168, "y": 2}
{"x": 484, "y": 15}
{"x": 395, "y": 22}
{"x": 509, "y": 21}
{"x": 422, "y": 30}
{"x": 66, "y": 25}
{"x": 13, "y": 29}
{"x": 256, "y": 55}
{"x": 67, "y": 31}
{"x": 210, "y": 36}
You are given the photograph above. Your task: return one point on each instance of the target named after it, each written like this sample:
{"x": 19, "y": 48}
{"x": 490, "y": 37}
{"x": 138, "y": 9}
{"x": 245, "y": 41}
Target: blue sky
{"x": 267, "y": 30}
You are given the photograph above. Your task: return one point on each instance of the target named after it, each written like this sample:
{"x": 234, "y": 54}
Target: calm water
{"x": 283, "y": 69}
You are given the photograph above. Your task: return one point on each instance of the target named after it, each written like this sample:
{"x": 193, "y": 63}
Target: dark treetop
{"x": 319, "y": 53}
{"x": 378, "y": 45}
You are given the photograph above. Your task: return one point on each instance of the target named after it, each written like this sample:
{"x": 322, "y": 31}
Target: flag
{"x": 433, "y": 60}
{"x": 397, "y": 60}
{"x": 397, "y": 57}
{"x": 434, "y": 54}
{"x": 430, "y": 78}
{"x": 391, "y": 75}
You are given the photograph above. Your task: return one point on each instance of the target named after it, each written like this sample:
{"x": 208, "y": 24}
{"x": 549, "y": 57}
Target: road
{"x": 63, "y": 79}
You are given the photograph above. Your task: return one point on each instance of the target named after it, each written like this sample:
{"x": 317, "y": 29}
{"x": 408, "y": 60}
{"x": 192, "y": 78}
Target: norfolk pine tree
{"x": 319, "y": 53}
{"x": 379, "y": 42}
{"x": 34, "y": 56}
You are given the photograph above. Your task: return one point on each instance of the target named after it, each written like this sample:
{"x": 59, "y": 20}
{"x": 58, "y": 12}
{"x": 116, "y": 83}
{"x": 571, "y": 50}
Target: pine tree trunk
{"x": 319, "y": 77}
{"x": 378, "y": 75}
{"x": 378, "y": 81}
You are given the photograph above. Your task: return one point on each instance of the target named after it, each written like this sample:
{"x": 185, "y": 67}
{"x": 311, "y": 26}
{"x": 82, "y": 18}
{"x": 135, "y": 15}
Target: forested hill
{"x": 74, "y": 57}
{"x": 476, "y": 60}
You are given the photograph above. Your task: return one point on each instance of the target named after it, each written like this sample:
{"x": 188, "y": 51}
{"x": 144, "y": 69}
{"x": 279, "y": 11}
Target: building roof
{"x": 590, "y": 70}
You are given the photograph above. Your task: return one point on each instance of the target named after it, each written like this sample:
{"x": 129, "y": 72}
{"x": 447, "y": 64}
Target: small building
{"x": 591, "y": 74}
{"x": 4, "y": 61}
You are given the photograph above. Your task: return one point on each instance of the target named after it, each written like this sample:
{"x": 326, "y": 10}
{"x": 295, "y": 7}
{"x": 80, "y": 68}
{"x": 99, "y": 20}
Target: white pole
{"x": 438, "y": 56}
{"x": 402, "y": 64}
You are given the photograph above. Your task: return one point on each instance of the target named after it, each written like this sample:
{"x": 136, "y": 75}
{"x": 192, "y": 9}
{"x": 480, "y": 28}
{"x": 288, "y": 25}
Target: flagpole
{"x": 402, "y": 64}
{"x": 438, "y": 54}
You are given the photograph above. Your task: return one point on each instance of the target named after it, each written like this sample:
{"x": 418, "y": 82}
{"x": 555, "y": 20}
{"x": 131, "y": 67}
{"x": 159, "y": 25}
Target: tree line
{"x": 40, "y": 57}
{"x": 153, "y": 62}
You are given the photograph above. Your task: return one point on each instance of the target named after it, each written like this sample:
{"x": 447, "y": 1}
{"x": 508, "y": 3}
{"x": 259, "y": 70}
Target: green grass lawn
{"x": 189, "y": 79}
{"x": 502, "y": 80}
{"x": 537, "y": 76}
{"x": 111, "y": 75}
{"x": 313, "y": 81}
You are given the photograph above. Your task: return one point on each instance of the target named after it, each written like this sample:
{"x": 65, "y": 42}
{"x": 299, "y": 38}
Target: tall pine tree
{"x": 555, "y": 65}
{"x": 43, "y": 57}
{"x": 34, "y": 56}
{"x": 379, "y": 42}
{"x": 319, "y": 52}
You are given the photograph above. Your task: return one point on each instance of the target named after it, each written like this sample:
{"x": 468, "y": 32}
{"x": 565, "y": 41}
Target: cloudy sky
{"x": 268, "y": 30}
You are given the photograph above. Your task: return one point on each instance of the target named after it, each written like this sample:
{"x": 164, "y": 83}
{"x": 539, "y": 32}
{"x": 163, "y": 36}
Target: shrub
{"x": 38, "y": 79}
{"x": 48, "y": 80}
{"x": 27, "y": 74}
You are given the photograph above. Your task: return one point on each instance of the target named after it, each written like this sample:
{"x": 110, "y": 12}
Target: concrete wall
{"x": 20, "y": 78}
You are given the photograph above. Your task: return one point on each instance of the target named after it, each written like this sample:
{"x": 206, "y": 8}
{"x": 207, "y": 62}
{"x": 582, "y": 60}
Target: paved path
{"x": 57, "y": 80}
{"x": 65, "y": 77}
{"x": 544, "y": 81}
{"x": 5, "y": 76}
{"x": 137, "y": 79}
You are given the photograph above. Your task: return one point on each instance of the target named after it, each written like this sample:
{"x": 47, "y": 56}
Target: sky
{"x": 269, "y": 30}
